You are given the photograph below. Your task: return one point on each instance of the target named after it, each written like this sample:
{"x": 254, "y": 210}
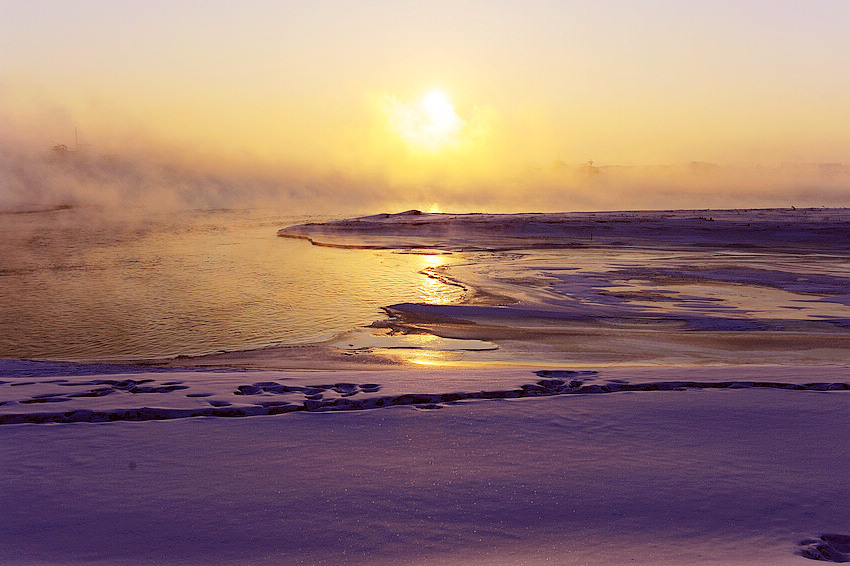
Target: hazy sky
{"x": 343, "y": 87}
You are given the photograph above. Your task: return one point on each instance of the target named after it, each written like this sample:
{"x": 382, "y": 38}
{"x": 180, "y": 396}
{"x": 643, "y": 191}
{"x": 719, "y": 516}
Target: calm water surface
{"x": 80, "y": 284}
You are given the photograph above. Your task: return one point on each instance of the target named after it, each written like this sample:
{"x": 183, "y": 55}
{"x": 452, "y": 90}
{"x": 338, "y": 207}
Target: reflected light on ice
{"x": 432, "y": 261}
{"x": 433, "y": 288}
{"x": 434, "y": 358}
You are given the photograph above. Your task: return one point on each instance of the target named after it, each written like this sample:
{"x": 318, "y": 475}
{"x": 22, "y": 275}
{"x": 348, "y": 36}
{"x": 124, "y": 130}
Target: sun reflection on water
{"x": 432, "y": 261}
{"x": 93, "y": 287}
{"x": 435, "y": 358}
{"x": 434, "y": 288}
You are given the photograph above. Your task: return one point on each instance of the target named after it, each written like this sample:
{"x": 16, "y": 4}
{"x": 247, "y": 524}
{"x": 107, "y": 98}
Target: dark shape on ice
{"x": 45, "y": 400}
{"x": 97, "y": 392}
{"x": 564, "y": 373}
{"x": 346, "y": 389}
{"x": 827, "y": 548}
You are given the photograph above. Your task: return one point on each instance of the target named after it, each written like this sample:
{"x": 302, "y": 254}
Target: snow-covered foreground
{"x": 733, "y": 465}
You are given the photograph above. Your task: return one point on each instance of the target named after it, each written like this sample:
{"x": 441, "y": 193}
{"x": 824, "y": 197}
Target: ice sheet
{"x": 729, "y": 286}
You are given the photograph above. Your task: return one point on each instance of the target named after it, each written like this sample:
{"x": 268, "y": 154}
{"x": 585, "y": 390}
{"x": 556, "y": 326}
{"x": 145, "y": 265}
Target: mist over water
{"x": 140, "y": 183}
{"x": 146, "y": 252}
{"x": 78, "y": 284}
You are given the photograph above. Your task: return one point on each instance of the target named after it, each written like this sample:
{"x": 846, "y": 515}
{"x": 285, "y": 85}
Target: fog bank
{"x": 157, "y": 182}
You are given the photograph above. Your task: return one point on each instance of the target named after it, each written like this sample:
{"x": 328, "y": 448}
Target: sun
{"x": 428, "y": 124}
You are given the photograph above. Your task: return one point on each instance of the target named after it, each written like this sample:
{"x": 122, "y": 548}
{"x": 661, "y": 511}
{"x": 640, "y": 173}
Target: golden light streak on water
{"x": 76, "y": 285}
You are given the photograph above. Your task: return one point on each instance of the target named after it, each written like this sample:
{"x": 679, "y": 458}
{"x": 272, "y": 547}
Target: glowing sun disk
{"x": 429, "y": 124}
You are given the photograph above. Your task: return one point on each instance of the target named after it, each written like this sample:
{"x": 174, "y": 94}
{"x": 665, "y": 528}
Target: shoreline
{"x": 591, "y": 320}
{"x": 563, "y": 304}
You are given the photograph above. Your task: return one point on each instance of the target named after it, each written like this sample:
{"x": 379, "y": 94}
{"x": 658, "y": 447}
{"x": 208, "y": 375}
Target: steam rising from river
{"x": 137, "y": 172}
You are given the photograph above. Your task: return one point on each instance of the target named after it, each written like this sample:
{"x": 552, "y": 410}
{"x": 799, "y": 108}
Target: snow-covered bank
{"x": 743, "y": 228}
{"x": 44, "y": 392}
{"x": 730, "y": 475}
